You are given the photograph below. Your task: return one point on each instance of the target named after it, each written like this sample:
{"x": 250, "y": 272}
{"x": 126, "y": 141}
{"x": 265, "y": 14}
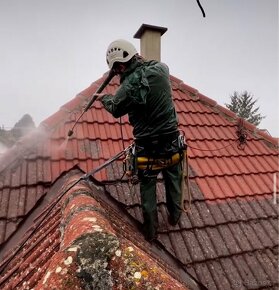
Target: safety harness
{"x": 132, "y": 163}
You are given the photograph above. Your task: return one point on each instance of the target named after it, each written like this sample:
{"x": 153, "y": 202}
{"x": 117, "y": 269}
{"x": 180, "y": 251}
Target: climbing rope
{"x": 241, "y": 139}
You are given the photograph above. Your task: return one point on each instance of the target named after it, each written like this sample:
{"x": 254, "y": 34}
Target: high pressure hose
{"x": 93, "y": 99}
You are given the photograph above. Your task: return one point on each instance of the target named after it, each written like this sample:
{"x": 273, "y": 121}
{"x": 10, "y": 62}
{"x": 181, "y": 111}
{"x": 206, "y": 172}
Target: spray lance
{"x": 93, "y": 99}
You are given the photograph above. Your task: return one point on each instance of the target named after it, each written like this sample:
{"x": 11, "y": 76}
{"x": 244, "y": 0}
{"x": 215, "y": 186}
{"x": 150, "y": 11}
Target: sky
{"x": 53, "y": 49}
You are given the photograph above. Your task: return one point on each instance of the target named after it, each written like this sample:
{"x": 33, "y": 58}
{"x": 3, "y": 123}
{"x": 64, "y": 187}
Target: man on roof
{"x": 145, "y": 95}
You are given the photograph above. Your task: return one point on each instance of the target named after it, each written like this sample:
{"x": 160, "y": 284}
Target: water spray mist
{"x": 94, "y": 97}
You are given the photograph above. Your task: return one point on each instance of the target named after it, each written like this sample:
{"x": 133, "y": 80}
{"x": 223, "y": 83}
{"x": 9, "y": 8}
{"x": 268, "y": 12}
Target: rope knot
{"x": 241, "y": 134}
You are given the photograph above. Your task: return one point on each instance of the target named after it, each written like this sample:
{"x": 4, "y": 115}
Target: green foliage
{"x": 244, "y": 106}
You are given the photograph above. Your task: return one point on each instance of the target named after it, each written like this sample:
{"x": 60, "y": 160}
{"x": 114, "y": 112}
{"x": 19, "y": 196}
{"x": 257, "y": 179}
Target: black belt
{"x": 158, "y": 138}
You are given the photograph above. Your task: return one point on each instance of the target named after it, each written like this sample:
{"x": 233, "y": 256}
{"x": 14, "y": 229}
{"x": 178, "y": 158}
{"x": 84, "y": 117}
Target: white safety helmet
{"x": 120, "y": 51}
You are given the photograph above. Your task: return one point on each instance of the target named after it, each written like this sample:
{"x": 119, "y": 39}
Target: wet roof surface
{"x": 74, "y": 234}
{"x": 229, "y": 239}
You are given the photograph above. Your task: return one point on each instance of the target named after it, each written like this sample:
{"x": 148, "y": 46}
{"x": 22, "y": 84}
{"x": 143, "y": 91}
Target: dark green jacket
{"x": 145, "y": 95}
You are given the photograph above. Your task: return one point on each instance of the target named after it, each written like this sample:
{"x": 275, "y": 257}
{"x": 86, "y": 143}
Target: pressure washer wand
{"x": 93, "y": 99}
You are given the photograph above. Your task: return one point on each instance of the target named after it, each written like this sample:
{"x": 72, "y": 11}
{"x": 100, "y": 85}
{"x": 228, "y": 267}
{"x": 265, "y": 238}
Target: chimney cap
{"x": 145, "y": 27}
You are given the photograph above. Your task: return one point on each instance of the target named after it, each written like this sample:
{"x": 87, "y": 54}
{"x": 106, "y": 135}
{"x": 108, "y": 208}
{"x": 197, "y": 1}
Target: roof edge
{"x": 74, "y": 105}
{"x": 230, "y": 115}
{"x": 86, "y": 229}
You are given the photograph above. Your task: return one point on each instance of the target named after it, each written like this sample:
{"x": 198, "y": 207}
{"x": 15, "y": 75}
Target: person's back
{"x": 155, "y": 115}
{"x": 145, "y": 95}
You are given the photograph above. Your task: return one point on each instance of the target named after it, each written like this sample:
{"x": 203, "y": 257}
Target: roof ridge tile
{"x": 93, "y": 227}
{"x": 196, "y": 95}
{"x": 233, "y": 117}
{"x": 273, "y": 140}
{"x": 226, "y": 111}
{"x": 207, "y": 125}
{"x": 74, "y": 105}
{"x": 207, "y": 100}
{"x": 186, "y": 88}
{"x": 175, "y": 80}
{"x": 180, "y": 85}
{"x": 89, "y": 91}
{"x": 53, "y": 121}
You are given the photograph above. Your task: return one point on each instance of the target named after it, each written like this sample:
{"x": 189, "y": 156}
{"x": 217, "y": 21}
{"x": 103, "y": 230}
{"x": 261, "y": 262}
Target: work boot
{"x": 173, "y": 221}
{"x": 151, "y": 238}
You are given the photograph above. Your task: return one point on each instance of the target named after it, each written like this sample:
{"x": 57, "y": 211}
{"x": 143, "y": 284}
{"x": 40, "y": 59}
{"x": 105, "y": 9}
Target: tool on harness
{"x": 182, "y": 142}
{"x": 157, "y": 163}
{"x": 185, "y": 182}
{"x": 132, "y": 163}
{"x": 130, "y": 166}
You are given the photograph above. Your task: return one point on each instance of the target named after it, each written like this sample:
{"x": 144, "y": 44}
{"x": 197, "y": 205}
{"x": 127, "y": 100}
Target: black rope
{"x": 215, "y": 149}
{"x": 241, "y": 139}
{"x": 203, "y": 13}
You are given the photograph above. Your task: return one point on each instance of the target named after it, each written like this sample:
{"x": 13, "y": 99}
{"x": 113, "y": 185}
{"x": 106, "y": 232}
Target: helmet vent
{"x": 120, "y": 51}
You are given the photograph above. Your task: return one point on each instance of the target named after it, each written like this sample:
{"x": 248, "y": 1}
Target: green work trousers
{"x": 172, "y": 178}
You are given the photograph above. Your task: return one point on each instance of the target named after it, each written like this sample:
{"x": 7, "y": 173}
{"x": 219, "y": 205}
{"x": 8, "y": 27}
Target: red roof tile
{"x": 49, "y": 260}
{"x": 232, "y": 225}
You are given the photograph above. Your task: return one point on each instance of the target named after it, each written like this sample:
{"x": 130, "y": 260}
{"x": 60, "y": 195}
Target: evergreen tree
{"x": 244, "y": 106}
{"x": 25, "y": 122}
{"x": 23, "y": 126}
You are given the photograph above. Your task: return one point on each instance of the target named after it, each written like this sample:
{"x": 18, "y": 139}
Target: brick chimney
{"x": 150, "y": 41}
